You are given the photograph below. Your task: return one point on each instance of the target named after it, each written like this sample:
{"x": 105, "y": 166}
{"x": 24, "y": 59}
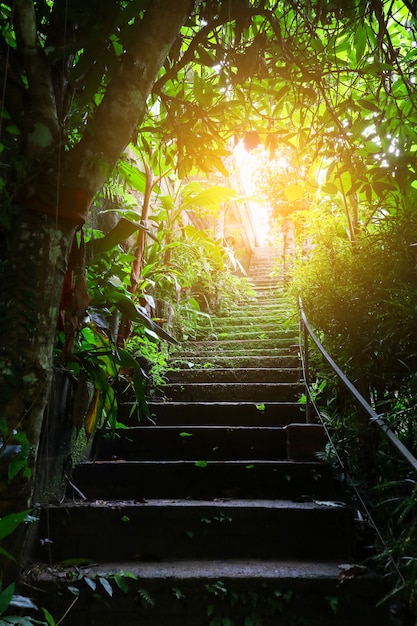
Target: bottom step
{"x": 210, "y": 593}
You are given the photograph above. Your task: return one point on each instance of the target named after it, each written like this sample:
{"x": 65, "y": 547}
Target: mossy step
{"x": 259, "y": 323}
{"x": 254, "y": 392}
{"x": 163, "y": 530}
{"x": 203, "y": 479}
{"x": 238, "y": 375}
{"x": 194, "y": 593}
{"x": 187, "y": 443}
{"x": 219, "y": 413}
{"x": 285, "y": 341}
{"x": 261, "y": 302}
{"x": 211, "y": 356}
{"x": 244, "y": 333}
{"x": 250, "y": 324}
{"x": 293, "y": 441}
{"x": 235, "y": 360}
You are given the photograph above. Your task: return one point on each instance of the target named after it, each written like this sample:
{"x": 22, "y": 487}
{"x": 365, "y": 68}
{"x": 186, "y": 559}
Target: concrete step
{"x": 202, "y": 479}
{"x": 235, "y": 360}
{"x": 211, "y": 356}
{"x": 219, "y": 325}
{"x": 220, "y": 413}
{"x": 236, "y": 375}
{"x": 248, "y": 333}
{"x": 242, "y": 392}
{"x": 285, "y": 342}
{"x": 296, "y": 441}
{"x": 208, "y": 442}
{"x": 210, "y": 592}
{"x": 272, "y": 304}
{"x": 164, "y": 530}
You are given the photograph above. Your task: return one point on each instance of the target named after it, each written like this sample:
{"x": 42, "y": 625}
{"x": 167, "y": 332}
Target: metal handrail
{"x": 375, "y": 418}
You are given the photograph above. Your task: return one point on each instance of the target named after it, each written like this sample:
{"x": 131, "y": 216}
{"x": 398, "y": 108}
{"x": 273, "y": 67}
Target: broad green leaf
{"x": 120, "y": 581}
{"x": 360, "y": 40}
{"x": 134, "y": 177}
{"x": 10, "y": 522}
{"x": 49, "y": 619}
{"x": 330, "y": 188}
{"x": 6, "y": 598}
{"x": 134, "y": 313}
{"x": 369, "y": 105}
{"x": 372, "y": 148}
{"x": 209, "y": 198}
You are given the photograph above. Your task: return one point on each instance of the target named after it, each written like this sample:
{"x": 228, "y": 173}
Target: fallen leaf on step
{"x": 350, "y": 571}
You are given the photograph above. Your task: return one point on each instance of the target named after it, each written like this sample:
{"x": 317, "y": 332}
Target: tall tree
{"x": 62, "y": 166}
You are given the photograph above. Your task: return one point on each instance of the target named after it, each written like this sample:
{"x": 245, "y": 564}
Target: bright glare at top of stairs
{"x": 246, "y": 164}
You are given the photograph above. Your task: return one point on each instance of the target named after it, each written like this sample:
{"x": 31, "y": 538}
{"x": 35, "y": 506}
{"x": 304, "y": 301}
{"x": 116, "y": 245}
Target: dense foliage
{"x": 329, "y": 84}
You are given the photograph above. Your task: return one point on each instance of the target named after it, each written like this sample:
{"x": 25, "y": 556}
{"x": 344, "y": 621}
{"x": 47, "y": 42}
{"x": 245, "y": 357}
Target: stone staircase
{"x": 220, "y": 513}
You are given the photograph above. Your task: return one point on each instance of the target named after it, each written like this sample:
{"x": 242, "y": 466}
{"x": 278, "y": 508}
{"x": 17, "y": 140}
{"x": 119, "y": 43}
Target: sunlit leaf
{"x": 293, "y": 192}
{"x": 93, "y": 413}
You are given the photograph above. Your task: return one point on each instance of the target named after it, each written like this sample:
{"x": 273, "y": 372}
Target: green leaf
{"x": 6, "y": 597}
{"x": 10, "y": 522}
{"x": 15, "y": 466}
{"x": 201, "y": 463}
{"x": 369, "y": 105}
{"x": 122, "y": 231}
{"x": 120, "y": 581}
{"x": 184, "y": 434}
{"x": 360, "y": 40}
{"x": 133, "y": 176}
{"x": 49, "y": 619}
{"x": 134, "y": 313}
{"x": 372, "y": 148}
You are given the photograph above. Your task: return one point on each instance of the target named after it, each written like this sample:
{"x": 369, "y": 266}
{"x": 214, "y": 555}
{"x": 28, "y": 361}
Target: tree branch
{"x": 124, "y": 104}
{"x": 45, "y": 130}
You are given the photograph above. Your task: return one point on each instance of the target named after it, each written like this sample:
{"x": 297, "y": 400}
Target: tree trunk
{"x": 31, "y": 288}
{"x": 31, "y": 281}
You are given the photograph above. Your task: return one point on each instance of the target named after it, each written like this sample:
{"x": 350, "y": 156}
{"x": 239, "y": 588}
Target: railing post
{"x": 307, "y": 374}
